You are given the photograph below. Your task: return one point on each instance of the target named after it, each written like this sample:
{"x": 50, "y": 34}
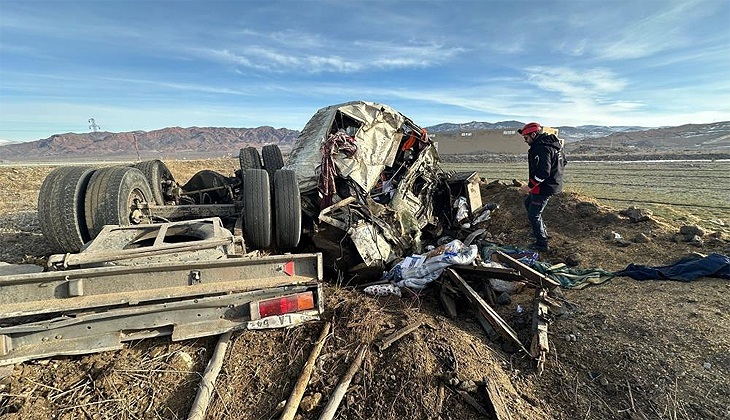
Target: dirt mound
{"x": 579, "y": 226}
{"x": 400, "y": 382}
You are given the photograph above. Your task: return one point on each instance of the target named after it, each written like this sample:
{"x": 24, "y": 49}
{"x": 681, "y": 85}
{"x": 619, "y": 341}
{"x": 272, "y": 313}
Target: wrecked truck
{"x": 143, "y": 256}
{"x": 362, "y": 184}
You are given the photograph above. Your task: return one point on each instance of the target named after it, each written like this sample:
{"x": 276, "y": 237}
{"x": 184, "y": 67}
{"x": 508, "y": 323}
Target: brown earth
{"x": 650, "y": 337}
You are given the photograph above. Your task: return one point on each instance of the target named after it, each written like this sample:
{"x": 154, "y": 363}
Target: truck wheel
{"x": 287, "y": 209}
{"x": 110, "y": 195}
{"x": 156, "y": 172}
{"x": 61, "y": 207}
{"x": 249, "y": 159}
{"x": 257, "y": 208}
{"x": 273, "y": 160}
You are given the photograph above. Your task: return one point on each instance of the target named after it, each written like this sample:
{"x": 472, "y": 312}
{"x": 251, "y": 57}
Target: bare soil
{"x": 638, "y": 352}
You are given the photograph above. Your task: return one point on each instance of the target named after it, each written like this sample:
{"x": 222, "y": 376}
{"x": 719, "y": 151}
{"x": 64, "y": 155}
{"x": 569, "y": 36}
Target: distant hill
{"x": 570, "y": 134}
{"x": 475, "y": 125}
{"x": 691, "y": 137}
{"x": 4, "y": 142}
{"x": 192, "y": 141}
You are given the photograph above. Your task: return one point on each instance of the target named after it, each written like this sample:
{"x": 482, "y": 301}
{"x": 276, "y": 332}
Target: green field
{"x": 698, "y": 190}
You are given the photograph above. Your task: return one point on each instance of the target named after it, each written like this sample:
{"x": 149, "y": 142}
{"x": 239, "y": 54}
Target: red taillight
{"x": 286, "y": 304}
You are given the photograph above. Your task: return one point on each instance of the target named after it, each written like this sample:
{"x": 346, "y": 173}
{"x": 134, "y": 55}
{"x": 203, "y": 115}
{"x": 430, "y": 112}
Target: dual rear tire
{"x": 262, "y": 226}
{"x": 75, "y": 202}
{"x": 111, "y": 194}
{"x": 61, "y": 207}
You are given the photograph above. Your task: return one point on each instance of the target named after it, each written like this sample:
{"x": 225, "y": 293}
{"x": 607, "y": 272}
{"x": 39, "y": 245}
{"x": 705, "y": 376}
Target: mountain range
{"x": 568, "y": 133}
{"x": 191, "y": 141}
{"x": 690, "y": 137}
{"x": 216, "y": 141}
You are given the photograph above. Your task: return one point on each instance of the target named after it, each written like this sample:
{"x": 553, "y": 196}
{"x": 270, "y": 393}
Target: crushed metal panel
{"x": 190, "y": 240}
{"x": 377, "y": 143}
{"x": 426, "y": 168}
{"x": 305, "y": 157}
{"x": 371, "y": 245}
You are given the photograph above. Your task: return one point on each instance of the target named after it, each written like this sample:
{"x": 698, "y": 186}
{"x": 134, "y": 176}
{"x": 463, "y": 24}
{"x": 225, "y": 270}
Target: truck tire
{"x": 156, "y": 173}
{"x": 110, "y": 194}
{"x": 249, "y": 158}
{"x": 287, "y": 209}
{"x": 257, "y": 208}
{"x": 273, "y": 160}
{"x": 61, "y": 207}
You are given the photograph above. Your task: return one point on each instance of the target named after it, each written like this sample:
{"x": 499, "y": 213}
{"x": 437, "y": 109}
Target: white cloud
{"x": 651, "y": 35}
{"x": 183, "y": 86}
{"x": 356, "y": 56}
{"x": 573, "y": 83}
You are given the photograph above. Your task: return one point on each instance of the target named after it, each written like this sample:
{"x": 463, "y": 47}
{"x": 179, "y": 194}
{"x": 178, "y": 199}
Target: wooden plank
{"x": 205, "y": 390}
{"x": 470, "y": 400}
{"x": 539, "y": 348}
{"x": 494, "y": 396}
{"x": 388, "y": 341}
{"x": 292, "y": 404}
{"x": 487, "y": 311}
{"x": 329, "y": 411}
{"x": 508, "y": 274}
{"x": 448, "y": 303}
{"x": 530, "y": 274}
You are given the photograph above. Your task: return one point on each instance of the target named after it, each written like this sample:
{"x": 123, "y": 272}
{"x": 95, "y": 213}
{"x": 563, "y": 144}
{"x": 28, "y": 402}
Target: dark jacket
{"x": 547, "y": 161}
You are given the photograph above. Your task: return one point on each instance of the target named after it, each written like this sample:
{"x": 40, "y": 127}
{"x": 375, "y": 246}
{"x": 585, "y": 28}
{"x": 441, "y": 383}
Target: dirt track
{"x": 653, "y": 336}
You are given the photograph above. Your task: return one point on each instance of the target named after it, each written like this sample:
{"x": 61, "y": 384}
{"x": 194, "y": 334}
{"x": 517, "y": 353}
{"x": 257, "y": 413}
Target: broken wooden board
{"x": 388, "y": 341}
{"x": 470, "y": 400}
{"x": 497, "y": 403}
{"x": 508, "y": 274}
{"x": 531, "y": 275}
{"x": 447, "y": 301}
{"x": 539, "y": 348}
{"x": 485, "y": 310}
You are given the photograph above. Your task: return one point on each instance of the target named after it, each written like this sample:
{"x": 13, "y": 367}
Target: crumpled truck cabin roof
{"x": 377, "y": 139}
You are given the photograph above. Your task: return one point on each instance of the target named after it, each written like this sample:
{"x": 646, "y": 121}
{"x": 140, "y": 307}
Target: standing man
{"x": 546, "y": 162}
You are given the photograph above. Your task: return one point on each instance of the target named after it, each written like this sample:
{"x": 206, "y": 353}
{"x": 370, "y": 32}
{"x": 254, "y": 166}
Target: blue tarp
{"x": 686, "y": 269}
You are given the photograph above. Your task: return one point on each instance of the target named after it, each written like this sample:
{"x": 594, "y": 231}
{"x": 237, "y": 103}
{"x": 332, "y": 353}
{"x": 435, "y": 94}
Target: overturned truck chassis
{"x": 99, "y": 300}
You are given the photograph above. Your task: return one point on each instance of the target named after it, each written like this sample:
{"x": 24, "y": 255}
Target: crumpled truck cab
{"x": 371, "y": 184}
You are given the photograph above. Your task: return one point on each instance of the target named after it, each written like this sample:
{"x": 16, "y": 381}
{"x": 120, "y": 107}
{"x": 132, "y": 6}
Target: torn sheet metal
{"x": 377, "y": 144}
{"x": 378, "y": 139}
{"x": 371, "y": 245}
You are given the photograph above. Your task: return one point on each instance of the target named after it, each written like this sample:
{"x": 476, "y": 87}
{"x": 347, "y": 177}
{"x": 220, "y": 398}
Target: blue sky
{"x": 151, "y": 64}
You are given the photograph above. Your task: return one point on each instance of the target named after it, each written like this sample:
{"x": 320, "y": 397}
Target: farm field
{"x": 698, "y": 189}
